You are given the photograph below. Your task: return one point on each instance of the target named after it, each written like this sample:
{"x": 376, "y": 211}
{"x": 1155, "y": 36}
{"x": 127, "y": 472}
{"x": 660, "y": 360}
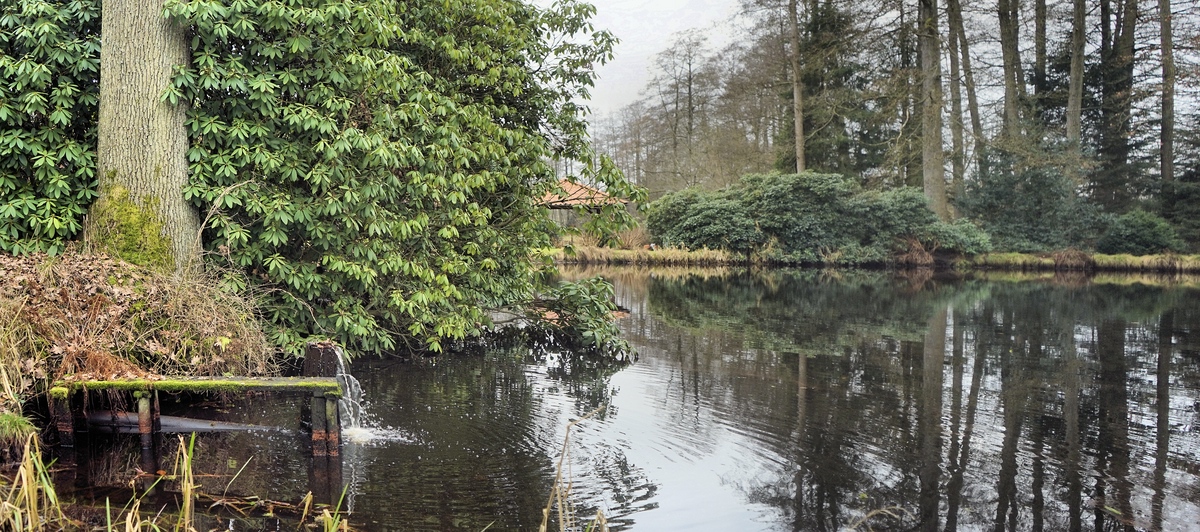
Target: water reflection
{"x": 968, "y": 404}
{"x": 802, "y": 400}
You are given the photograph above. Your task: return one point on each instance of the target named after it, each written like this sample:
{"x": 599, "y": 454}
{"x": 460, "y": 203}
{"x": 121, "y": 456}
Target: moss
{"x": 59, "y": 392}
{"x": 130, "y": 229}
{"x": 321, "y": 386}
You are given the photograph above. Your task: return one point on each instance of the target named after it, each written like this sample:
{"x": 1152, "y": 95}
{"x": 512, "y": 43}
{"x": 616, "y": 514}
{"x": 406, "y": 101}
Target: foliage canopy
{"x": 49, "y": 72}
{"x": 375, "y": 166}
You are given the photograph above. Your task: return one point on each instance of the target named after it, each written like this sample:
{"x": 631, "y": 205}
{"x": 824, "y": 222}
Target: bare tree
{"x": 932, "y": 159}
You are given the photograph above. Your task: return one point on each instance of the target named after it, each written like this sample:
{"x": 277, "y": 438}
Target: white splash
{"x": 350, "y": 406}
{"x": 353, "y": 412}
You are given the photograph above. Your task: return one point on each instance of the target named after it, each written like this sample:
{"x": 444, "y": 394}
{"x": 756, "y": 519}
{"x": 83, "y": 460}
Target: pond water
{"x": 787, "y": 400}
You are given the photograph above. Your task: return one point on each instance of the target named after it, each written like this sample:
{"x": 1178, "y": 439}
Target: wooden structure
{"x": 573, "y": 195}
{"x": 322, "y": 384}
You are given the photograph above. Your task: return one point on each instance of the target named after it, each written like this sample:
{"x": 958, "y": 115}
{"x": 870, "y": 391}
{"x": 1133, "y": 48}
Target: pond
{"x": 786, "y": 400}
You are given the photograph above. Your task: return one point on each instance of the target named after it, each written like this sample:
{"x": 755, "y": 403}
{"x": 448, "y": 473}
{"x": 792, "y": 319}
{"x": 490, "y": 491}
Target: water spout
{"x": 350, "y": 406}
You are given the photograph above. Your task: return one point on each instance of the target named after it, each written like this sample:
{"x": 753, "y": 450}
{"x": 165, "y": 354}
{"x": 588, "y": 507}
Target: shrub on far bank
{"x": 1030, "y": 210}
{"x": 809, "y": 218}
{"x": 1138, "y": 232}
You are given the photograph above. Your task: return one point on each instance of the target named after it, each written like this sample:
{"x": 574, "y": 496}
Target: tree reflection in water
{"x": 1014, "y": 405}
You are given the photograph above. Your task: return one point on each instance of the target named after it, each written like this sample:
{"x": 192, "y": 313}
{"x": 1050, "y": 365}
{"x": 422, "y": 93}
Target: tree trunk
{"x": 1111, "y": 182}
{"x": 142, "y": 146}
{"x": 1167, "y": 134}
{"x": 954, "y": 8}
{"x": 932, "y": 159}
{"x": 797, "y": 84}
{"x": 957, "y": 151}
{"x": 1075, "y": 88}
{"x": 1039, "y": 47}
{"x": 1011, "y": 54}
{"x": 930, "y": 420}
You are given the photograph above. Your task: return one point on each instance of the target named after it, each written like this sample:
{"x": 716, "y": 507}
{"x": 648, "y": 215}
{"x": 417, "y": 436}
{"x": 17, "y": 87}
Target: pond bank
{"x": 1066, "y": 260}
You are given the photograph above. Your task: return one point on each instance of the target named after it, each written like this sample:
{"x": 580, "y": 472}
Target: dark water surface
{"x": 789, "y": 401}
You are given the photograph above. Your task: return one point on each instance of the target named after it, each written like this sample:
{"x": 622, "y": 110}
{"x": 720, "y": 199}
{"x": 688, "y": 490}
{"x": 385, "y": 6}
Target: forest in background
{"x": 1043, "y": 122}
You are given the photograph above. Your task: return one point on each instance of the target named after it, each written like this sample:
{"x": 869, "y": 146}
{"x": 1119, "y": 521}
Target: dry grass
{"x": 1010, "y": 261}
{"x": 635, "y": 238}
{"x": 914, "y": 255}
{"x": 1073, "y": 260}
{"x": 598, "y": 256}
{"x": 95, "y": 316}
{"x": 1167, "y": 263}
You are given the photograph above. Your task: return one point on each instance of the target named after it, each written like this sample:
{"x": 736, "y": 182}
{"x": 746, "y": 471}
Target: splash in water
{"x": 353, "y": 412}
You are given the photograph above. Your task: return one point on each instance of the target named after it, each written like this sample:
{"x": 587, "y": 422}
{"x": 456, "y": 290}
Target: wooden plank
{"x": 317, "y": 386}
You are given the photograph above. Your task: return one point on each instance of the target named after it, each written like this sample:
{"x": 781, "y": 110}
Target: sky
{"x": 645, "y": 28}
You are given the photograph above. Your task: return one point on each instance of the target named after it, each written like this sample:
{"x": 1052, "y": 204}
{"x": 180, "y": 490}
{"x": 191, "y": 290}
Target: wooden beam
{"x": 321, "y": 386}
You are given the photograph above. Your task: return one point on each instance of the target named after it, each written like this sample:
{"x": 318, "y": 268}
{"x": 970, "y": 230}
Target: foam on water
{"x": 353, "y": 413}
{"x": 374, "y": 435}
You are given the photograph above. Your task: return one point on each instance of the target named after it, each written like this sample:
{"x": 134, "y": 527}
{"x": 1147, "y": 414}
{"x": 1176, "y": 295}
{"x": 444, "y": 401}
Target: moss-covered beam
{"x": 316, "y": 386}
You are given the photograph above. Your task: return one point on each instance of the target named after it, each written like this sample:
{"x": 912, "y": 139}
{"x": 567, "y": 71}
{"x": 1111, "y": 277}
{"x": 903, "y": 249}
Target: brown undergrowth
{"x": 90, "y": 316}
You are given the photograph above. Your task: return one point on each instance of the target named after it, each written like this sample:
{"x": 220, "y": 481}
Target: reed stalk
{"x": 187, "y": 484}
{"x": 31, "y": 504}
{"x": 559, "y": 491}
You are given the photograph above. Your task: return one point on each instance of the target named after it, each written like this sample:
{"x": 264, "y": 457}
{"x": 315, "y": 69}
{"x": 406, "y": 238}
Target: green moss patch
{"x": 130, "y": 229}
{"x": 323, "y": 386}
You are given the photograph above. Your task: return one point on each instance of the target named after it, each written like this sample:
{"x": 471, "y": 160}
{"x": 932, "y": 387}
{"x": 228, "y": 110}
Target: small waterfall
{"x": 356, "y": 423}
{"x": 350, "y": 406}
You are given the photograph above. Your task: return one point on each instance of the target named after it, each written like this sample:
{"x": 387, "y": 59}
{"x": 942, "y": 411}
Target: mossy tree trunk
{"x": 142, "y": 147}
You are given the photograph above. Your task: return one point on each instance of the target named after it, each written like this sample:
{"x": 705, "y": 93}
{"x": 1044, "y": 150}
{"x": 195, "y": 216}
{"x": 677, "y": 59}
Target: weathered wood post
{"x": 147, "y": 423}
{"x": 320, "y": 433}
{"x": 145, "y": 419}
{"x": 322, "y": 359}
{"x": 64, "y": 418}
{"x": 333, "y": 426}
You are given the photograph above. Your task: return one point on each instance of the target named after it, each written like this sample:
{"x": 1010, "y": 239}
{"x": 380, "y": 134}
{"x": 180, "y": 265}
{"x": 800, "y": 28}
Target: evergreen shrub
{"x": 377, "y": 168}
{"x": 1138, "y": 232}
{"x": 808, "y": 218}
{"x": 1028, "y": 210}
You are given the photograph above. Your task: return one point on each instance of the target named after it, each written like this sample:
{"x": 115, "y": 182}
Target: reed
{"x": 187, "y": 484}
{"x": 560, "y": 491}
{"x": 31, "y": 503}
{"x": 599, "y": 256}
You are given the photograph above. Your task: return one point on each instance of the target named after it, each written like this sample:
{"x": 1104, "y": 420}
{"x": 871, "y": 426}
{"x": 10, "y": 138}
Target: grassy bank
{"x": 1072, "y": 260}
{"x": 1067, "y": 260}
{"x": 599, "y": 256}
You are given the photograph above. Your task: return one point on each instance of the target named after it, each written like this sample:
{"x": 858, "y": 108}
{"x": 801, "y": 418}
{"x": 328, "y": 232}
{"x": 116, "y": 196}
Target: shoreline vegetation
{"x": 90, "y": 315}
{"x": 1061, "y": 261}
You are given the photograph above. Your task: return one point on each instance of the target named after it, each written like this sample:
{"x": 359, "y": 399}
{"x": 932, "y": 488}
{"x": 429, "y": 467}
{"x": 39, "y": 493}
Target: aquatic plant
{"x": 30, "y": 503}
{"x": 560, "y": 491}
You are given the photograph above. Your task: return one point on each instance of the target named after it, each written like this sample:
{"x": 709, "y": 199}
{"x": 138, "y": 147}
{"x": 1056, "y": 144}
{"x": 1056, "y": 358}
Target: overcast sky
{"x": 645, "y": 28}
